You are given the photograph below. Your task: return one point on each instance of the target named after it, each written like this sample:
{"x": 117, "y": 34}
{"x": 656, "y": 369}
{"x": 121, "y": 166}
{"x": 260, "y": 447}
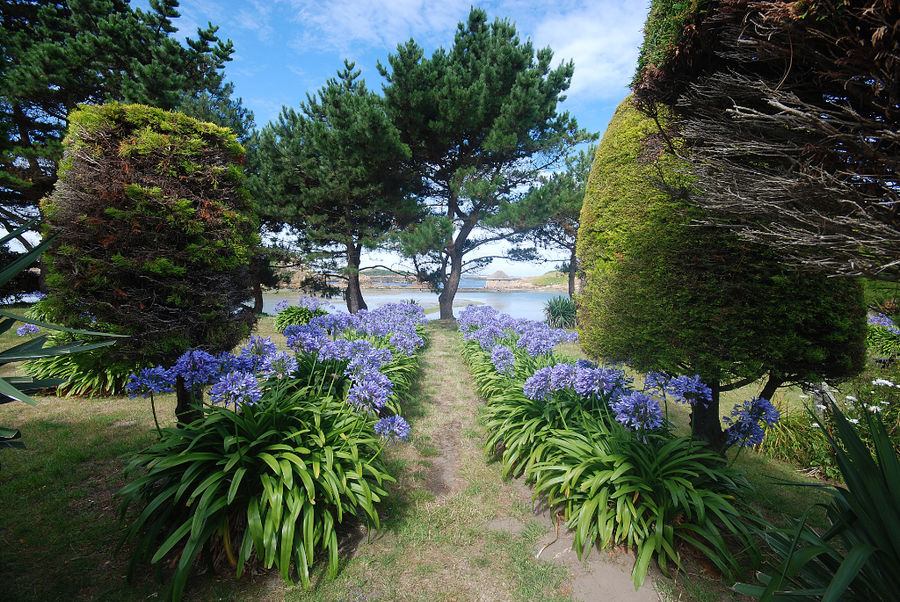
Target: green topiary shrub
{"x": 154, "y": 237}
{"x": 665, "y": 292}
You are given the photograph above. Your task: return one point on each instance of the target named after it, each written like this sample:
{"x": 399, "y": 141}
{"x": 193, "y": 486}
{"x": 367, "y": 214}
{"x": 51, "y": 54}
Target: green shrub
{"x": 653, "y": 495}
{"x": 273, "y": 480}
{"x": 295, "y": 315}
{"x": 154, "y": 236}
{"x": 856, "y": 557}
{"x": 560, "y": 312}
{"x": 645, "y": 489}
{"x": 797, "y": 441}
{"x": 667, "y": 292}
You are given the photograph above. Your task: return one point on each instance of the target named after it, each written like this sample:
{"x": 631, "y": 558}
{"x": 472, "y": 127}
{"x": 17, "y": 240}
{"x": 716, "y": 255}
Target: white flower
{"x": 874, "y": 409}
{"x": 882, "y": 382}
{"x": 853, "y": 421}
{"x": 820, "y": 406}
{"x": 816, "y": 425}
{"x": 803, "y": 396}
{"x": 851, "y": 398}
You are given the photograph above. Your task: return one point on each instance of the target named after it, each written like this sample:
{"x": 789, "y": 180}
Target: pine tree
{"x": 549, "y": 215}
{"x": 56, "y": 55}
{"x": 481, "y": 121}
{"x": 334, "y": 172}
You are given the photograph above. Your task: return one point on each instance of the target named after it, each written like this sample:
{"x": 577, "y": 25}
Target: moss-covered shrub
{"x": 154, "y": 233}
{"x": 667, "y": 293}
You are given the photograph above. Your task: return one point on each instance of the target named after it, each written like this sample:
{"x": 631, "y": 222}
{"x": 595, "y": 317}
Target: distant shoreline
{"x": 524, "y": 288}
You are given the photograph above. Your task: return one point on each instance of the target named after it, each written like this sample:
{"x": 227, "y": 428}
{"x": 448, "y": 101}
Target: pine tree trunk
{"x": 187, "y": 410}
{"x": 257, "y": 297}
{"x": 572, "y": 262}
{"x": 705, "y": 424}
{"x": 445, "y": 299}
{"x": 355, "y": 301}
{"x": 770, "y": 387}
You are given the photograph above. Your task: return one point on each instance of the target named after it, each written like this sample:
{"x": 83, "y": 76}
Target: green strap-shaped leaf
{"x": 10, "y": 391}
{"x": 23, "y": 262}
{"x": 19, "y": 231}
{"x": 61, "y": 328}
{"x": 854, "y": 561}
{"x": 69, "y": 349}
{"x": 7, "y": 434}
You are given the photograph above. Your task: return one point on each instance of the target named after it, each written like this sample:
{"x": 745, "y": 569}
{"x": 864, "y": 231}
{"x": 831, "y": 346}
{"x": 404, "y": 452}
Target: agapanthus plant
{"x": 236, "y": 389}
{"x": 748, "y": 420}
{"x": 392, "y": 428}
{"x": 149, "y": 381}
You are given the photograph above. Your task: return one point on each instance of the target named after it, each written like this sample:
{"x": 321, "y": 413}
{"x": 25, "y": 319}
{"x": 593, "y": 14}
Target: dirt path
{"x": 456, "y": 530}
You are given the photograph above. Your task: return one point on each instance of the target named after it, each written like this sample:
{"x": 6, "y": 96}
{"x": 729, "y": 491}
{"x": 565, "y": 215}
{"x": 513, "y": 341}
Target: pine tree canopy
{"x": 481, "y": 121}
{"x": 336, "y": 173}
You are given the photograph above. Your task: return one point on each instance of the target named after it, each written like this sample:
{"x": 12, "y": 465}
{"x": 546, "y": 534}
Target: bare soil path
{"x": 457, "y": 531}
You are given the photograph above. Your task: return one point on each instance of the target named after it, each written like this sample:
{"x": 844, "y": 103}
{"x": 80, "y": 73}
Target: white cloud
{"x": 341, "y": 25}
{"x": 602, "y": 39}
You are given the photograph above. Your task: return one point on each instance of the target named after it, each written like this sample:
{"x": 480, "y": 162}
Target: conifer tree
{"x": 335, "y": 173}
{"x": 549, "y": 215}
{"x": 481, "y": 121}
{"x": 56, "y": 55}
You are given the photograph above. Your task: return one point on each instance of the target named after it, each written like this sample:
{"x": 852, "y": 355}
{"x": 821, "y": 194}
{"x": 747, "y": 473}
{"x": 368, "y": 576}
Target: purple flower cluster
{"x": 392, "y": 428}
{"x": 149, "y": 381}
{"x": 255, "y": 353}
{"x": 305, "y": 338}
{"x": 486, "y": 336}
{"x": 541, "y": 339}
{"x": 885, "y": 322}
{"x": 333, "y": 323}
{"x": 689, "y": 389}
{"x": 503, "y": 359}
{"x": 27, "y": 329}
{"x": 656, "y": 383}
{"x": 280, "y": 365}
{"x": 197, "y": 368}
{"x": 592, "y": 380}
{"x": 366, "y": 358}
{"x": 487, "y": 326}
{"x": 537, "y": 386}
{"x": 583, "y": 377}
{"x": 637, "y": 411}
{"x": 747, "y": 421}
{"x": 236, "y": 389}
{"x": 365, "y": 341}
{"x": 281, "y": 305}
{"x": 406, "y": 342}
{"x": 310, "y": 303}
{"x": 370, "y": 392}
{"x": 387, "y": 320}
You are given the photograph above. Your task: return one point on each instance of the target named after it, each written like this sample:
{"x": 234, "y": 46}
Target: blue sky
{"x": 285, "y": 49}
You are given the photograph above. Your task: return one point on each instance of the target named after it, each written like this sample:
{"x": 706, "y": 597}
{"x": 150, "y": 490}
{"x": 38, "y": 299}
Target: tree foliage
{"x": 666, "y": 293}
{"x": 549, "y": 214}
{"x": 335, "y": 173}
{"x": 56, "y": 55}
{"x": 153, "y": 233}
{"x": 789, "y": 112}
{"x": 481, "y": 121}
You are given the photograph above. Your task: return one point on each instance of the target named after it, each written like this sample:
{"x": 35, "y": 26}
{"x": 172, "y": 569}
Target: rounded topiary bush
{"x": 666, "y": 291}
{"x": 154, "y": 238}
